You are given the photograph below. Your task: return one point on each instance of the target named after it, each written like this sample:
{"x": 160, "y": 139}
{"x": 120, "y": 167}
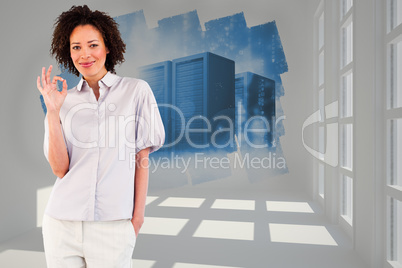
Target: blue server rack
{"x": 203, "y": 88}
{"x": 255, "y": 96}
{"x": 159, "y": 78}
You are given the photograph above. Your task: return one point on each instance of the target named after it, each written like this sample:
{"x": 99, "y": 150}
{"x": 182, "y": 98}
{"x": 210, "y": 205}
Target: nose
{"x": 85, "y": 54}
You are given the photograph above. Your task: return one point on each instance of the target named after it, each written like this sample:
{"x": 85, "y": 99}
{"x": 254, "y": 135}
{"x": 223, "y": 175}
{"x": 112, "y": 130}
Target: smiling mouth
{"x": 87, "y": 64}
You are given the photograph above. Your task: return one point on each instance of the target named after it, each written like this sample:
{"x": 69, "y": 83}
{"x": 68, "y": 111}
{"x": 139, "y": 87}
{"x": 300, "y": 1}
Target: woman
{"x": 97, "y": 140}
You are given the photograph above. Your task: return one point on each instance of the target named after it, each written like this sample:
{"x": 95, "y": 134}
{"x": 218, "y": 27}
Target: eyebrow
{"x": 74, "y": 43}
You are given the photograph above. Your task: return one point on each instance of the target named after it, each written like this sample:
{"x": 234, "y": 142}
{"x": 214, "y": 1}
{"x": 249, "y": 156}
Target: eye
{"x": 75, "y": 47}
{"x": 94, "y": 45}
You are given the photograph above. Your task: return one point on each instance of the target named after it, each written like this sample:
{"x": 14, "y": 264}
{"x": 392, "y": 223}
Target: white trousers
{"x": 90, "y": 244}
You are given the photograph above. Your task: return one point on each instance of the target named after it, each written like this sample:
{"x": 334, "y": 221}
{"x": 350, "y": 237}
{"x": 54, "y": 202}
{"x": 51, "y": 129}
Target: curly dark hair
{"x": 82, "y": 15}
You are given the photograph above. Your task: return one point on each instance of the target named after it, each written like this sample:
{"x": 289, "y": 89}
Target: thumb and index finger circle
{"x": 58, "y": 78}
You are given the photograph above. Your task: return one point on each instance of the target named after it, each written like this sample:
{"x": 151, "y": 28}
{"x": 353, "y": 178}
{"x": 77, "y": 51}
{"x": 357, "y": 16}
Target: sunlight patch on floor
{"x": 286, "y": 206}
{"x": 226, "y": 230}
{"x": 22, "y": 258}
{"x": 182, "y": 202}
{"x": 193, "y": 265}
{"x": 143, "y": 263}
{"x": 234, "y": 204}
{"x": 150, "y": 199}
{"x": 301, "y": 234}
{"x": 162, "y": 226}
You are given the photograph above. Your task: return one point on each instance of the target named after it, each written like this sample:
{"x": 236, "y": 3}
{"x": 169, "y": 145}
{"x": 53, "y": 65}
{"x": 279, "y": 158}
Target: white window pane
{"x": 395, "y": 97}
{"x": 321, "y": 140}
{"x": 347, "y": 95}
{"x": 347, "y": 146}
{"x": 345, "y": 7}
{"x": 321, "y": 104}
{"x": 394, "y": 249}
{"x": 346, "y": 44}
{"x": 321, "y": 179}
{"x": 395, "y": 13}
{"x": 321, "y": 69}
{"x": 395, "y": 152}
{"x": 347, "y": 197}
{"x": 321, "y": 31}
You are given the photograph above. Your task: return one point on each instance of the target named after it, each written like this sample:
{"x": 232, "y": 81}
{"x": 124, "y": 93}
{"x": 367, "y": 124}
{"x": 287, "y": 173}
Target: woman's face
{"x": 88, "y": 52}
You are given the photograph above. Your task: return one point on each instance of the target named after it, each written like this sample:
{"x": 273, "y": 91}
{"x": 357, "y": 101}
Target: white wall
{"x": 26, "y": 33}
{"x": 369, "y": 75}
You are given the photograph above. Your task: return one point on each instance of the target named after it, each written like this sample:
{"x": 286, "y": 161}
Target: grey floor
{"x": 218, "y": 225}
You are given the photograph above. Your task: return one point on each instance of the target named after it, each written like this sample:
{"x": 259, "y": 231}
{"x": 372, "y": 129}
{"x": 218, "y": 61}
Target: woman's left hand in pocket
{"x": 137, "y": 223}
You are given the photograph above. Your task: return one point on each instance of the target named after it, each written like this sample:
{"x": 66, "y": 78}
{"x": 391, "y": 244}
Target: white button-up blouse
{"x": 102, "y": 138}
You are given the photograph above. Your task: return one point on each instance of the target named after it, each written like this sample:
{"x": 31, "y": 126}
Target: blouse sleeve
{"x": 149, "y": 127}
{"x": 46, "y": 139}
